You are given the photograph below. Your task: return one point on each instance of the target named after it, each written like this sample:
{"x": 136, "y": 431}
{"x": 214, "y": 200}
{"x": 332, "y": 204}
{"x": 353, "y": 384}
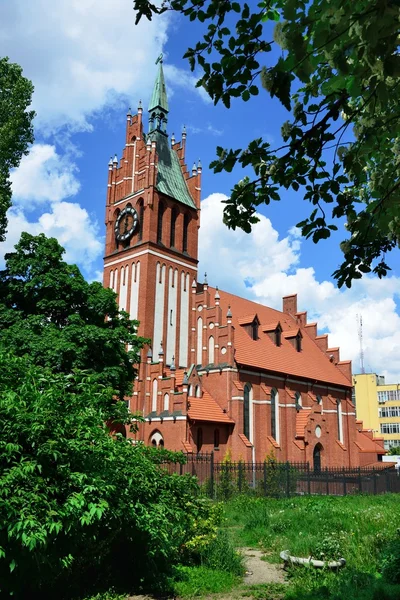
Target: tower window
{"x": 141, "y": 215}
{"x": 174, "y": 215}
{"x": 186, "y": 220}
{"x": 246, "y": 411}
{"x": 161, "y": 210}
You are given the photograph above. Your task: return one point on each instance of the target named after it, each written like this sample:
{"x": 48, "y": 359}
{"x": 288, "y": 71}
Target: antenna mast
{"x": 360, "y": 337}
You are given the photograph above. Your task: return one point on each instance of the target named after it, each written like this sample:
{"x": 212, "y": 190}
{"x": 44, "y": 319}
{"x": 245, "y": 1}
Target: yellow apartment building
{"x": 378, "y": 406}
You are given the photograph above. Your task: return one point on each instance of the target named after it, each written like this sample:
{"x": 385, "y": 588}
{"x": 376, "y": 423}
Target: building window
{"x": 166, "y": 402}
{"x": 246, "y": 410}
{"x": 389, "y": 411}
{"x": 275, "y": 415}
{"x": 278, "y": 336}
{"x": 156, "y": 439}
{"x": 254, "y": 330}
{"x": 298, "y": 343}
{"x": 298, "y": 401}
{"x": 339, "y": 420}
{"x": 141, "y": 215}
{"x": 186, "y": 220}
{"x": 154, "y": 397}
{"x": 390, "y": 428}
{"x": 199, "y": 439}
{"x": 198, "y": 391}
{"x": 388, "y": 396}
{"x": 211, "y": 346}
{"x": 199, "y": 353}
{"x": 174, "y": 215}
{"x": 190, "y": 390}
{"x": 161, "y": 210}
{"x": 216, "y": 438}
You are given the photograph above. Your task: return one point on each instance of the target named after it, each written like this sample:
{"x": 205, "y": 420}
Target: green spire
{"x": 159, "y": 99}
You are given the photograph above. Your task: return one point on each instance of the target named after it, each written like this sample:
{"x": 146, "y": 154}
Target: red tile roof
{"x": 247, "y": 319}
{"x": 207, "y": 409}
{"x": 311, "y": 362}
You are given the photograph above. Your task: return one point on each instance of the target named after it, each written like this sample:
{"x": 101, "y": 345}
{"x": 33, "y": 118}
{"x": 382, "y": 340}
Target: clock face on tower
{"x": 126, "y": 224}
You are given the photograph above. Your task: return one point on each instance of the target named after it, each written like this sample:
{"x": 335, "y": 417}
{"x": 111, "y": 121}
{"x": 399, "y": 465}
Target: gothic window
{"x": 154, "y": 397}
{"x": 166, "y": 401}
{"x": 156, "y": 439}
{"x": 199, "y": 439}
{"x": 191, "y": 391}
{"x": 298, "y": 401}
{"x": 141, "y": 215}
{"x": 275, "y": 415}
{"x": 278, "y": 336}
{"x": 339, "y": 420}
{"x": 186, "y": 220}
{"x": 198, "y": 391}
{"x": 211, "y": 346}
{"x": 216, "y": 438}
{"x": 161, "y": 210}
{"x": 246, "y": 410}
{"x": 174, "y": 216}
{"x": 199, "y": 354}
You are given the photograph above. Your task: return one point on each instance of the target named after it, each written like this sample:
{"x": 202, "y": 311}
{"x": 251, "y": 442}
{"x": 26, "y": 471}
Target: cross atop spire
{"x": 158, "y": 106}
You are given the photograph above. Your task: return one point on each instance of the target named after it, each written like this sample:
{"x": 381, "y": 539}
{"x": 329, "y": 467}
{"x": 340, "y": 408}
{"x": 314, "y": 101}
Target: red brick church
{"x": 222, "y": 372}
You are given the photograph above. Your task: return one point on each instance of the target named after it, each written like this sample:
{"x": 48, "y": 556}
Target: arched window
{"x": 198, "y": 391}
{"x": 247, "y": 411}
{"x": 298, "y": 401}
{"x": 211, "y": 349}
{"x": 141, "y": 215}
{"x": 186, "y": 220}
{"x": 216, "y": 438}
{"x": 161, "y": 210}
{"x": 166, "y": 401}
{"x": 319, "y": 401}
{"x": 275, "y": 415}
{"x": 154, "y": 397}
{"x": 199, "y": 353}
{"x": 339, "y": 420}
{"x": 174, "y": 216}
{"x": 156, "y": 439}
{"x": 317, "y": 458}
{"x": 199, "y": 439}
{"x": 190, "y": 393}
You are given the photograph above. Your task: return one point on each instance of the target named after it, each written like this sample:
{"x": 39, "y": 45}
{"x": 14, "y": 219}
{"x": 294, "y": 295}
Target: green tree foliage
{"x": 81, "y": 509}
{"x": 49, "y": 313}
{"x": 16, "y": 129}
{"x": 394, "y": 450}
{"x": 337, "y": 72}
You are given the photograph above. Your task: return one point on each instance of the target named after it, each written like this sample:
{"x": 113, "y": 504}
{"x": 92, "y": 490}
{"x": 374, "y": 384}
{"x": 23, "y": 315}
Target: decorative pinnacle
{"x": 194, "y": 284}
{"x": 115, "y": 161}
{"x": 194, "y": 169}
{"x": 161, "y": 351}
{"x": 229, "y": 313}
{"x": 184, "y": 132}
{"x": 128, "y": 114}
{"x": 149, "y": 353}
{"x": 205, "y": 279}
{"x": 199, "y": 167}
{"x": 110, "y": 162}
{"x": 172, "y": 139}
{"x": 217, "y": 296}
{"x": 140, "y": 107}
{"x": 185, "y": 378}
{"x": 172, "y": 367}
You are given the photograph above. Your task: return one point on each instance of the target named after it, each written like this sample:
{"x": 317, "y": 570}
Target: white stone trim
{"x": 158, "y": 419}
{"x": 136, "y": 254}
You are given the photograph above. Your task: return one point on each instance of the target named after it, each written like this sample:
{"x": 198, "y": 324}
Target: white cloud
{"x": 264, "y": 268}
{"x": 43, "y": 176}
{"x": 186, "y": 80}
{"x": 66, "y": 221}
{"x": 80, "y": 55}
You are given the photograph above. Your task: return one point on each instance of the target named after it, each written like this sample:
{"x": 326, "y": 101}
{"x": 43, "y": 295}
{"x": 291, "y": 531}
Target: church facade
{"x": 222, "y": 373}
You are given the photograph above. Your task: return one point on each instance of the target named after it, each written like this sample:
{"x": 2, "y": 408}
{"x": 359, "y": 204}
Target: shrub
{"x": 79, "y": 506}
{"x": 390, "y": 564}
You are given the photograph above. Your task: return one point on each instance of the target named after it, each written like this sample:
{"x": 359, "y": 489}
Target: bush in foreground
{"x": 81, "y": 509}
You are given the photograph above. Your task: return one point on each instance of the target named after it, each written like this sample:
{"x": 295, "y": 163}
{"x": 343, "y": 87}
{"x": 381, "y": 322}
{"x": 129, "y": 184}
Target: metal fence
{"x": 223, "y": 480}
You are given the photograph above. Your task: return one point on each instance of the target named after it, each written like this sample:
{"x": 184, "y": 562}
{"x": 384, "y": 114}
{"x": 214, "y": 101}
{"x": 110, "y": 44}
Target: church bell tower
{"x": 152, "y": 222}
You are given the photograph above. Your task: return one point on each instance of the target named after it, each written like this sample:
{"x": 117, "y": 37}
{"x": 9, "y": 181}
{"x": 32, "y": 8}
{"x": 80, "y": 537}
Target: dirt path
{"x": 258, "y": 572}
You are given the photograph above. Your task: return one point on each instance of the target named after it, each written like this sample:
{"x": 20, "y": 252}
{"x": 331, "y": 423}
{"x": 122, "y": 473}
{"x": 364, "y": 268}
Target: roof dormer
{"x": 274, "y": 332}
{"x": 250, "y": 324}
{"x": 295, "y": 338}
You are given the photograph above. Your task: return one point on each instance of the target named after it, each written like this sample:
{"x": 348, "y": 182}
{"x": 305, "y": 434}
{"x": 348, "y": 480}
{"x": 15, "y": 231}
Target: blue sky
{"x": 89, "y": 63}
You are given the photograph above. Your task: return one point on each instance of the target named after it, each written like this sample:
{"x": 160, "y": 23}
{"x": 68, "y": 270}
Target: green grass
{"x": 199, "y": 581}
{"x": 357, "y": 528}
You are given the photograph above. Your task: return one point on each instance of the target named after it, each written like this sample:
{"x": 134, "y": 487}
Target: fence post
{"x": 181, "y": 466}
{"x": 288, "y": 479}
{"x": 344, "y": 482}
{"x": 265, "y": 477}
{"x": 327, "y": 481}
{"x": 359, "y": 480}
{"x": 308, "y": 479}
{"x": 374, "y": 476}
{"x": 240, "y": 475}
{"x": 212, "y": 475}
{"x": 387, "y": 480}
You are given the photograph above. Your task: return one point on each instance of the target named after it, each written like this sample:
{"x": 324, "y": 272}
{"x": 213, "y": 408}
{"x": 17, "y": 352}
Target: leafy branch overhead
{"x": 338, "y": 75}
{"x": 16, "y": 129}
